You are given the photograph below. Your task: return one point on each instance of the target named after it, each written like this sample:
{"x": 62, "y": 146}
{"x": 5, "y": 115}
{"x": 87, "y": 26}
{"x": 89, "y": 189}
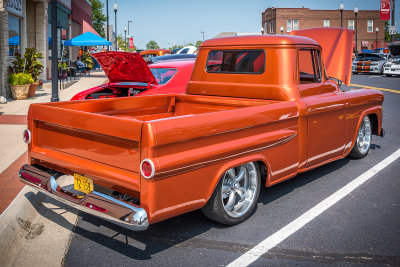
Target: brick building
{"x": 27, "y": 23}
{"x": 287, "y": 19}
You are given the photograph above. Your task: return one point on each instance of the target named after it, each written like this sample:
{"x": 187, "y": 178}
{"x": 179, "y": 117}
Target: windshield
{"x": 163, "y": 75}
{"x": 369, "y": 57}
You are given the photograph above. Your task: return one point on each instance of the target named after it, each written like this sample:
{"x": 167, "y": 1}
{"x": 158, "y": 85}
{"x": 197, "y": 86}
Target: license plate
{"x": 82, "y": 183}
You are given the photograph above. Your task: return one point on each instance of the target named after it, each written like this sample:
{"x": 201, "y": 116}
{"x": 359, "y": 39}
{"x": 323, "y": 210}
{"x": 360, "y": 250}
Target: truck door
{"x": 325, "y": 109}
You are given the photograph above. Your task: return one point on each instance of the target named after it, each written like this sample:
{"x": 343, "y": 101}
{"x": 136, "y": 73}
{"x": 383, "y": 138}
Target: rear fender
{"x": 234, "y": 163}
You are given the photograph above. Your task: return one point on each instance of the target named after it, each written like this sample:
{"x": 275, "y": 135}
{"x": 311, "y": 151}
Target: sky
{"x": 179, "y": 22}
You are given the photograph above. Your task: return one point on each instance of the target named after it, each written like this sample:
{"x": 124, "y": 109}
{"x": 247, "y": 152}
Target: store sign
{"x": 385, "y": 9}
{"x": 131, "y": 46}
{"x": 15, "y": 7}
{"x": 364, "y": 43}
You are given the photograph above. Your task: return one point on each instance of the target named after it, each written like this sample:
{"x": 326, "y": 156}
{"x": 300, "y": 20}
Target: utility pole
{"x": 54, "y": 53}
{"x": 108, "y": 27}
{"x": 203, "y": 35}
{"x": 393, "y": 20}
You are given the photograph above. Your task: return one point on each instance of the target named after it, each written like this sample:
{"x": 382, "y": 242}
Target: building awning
{"x": 86, "y": 27}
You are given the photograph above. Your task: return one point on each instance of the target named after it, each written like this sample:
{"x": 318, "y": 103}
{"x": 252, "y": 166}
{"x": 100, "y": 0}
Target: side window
{"x": 309, "y": 66}
{"x": 236, "y": 61}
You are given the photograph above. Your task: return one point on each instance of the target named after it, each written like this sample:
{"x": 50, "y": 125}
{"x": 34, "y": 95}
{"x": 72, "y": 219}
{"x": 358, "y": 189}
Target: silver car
{"x": 369, "y": 63}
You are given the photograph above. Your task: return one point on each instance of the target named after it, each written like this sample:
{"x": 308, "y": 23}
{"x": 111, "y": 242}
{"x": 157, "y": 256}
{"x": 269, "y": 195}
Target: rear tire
{"x": 363, "y": 140}
{"x": 235, "y": 196}
{"x": 388, "y": 75}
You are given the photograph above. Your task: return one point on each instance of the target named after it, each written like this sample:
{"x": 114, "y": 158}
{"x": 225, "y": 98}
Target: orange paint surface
{"x": 223, "y": 121}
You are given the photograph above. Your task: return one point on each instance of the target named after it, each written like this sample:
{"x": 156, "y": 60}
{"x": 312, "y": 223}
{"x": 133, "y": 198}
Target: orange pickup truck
{"x": 258, "y": 110}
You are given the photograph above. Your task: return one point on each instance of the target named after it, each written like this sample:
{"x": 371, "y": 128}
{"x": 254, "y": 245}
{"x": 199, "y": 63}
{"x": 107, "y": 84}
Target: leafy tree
{"x": 190, "y": 44}
{"x": 198, "y": 43}
{"x": 98, "y": 17}
{"x": 175, "y": 47}
{"x": 152, "y": 45}
{"x": 387, "y": 35}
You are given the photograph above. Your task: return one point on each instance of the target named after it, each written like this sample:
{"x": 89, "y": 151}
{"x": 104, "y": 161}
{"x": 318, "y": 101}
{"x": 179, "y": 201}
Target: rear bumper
{"x": 98, "y": 204}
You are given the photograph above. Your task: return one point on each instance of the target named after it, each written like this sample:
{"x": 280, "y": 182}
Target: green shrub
{"x": 20, "y": 79}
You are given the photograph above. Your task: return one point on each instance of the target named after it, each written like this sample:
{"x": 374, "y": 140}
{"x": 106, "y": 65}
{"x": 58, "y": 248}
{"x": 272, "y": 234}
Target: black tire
{"x": 388, "y": 75}
{"x": 355, "y": 72}
{"x": 215, "y": 207}
{"x": 362, "y": 144}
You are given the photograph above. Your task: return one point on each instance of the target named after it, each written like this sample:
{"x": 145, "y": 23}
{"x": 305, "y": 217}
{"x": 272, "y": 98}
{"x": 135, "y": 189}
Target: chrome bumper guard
{"x": 129, "y": 216}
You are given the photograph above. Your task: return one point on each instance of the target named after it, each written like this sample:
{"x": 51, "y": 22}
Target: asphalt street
{"x": 362, "y": 229}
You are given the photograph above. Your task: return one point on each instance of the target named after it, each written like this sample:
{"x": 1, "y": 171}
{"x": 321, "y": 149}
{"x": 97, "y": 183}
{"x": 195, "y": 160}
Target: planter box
{"x": 19, "y": 91}
{"x": 32, "y": 89}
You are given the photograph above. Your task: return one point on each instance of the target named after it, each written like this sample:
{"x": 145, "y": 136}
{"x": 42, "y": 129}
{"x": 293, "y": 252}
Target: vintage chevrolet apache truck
{"x": 258, "y": 109}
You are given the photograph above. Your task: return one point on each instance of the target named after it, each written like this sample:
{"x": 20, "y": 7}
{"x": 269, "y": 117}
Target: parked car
{"x": 257, "y": 111}
{"x": 172, "y": 57}
{"x": 368, "y": 63}
{"x": 149, "y": 54}
{"x": 382, "y": 50}
{"x": 392, "y": 67}
{"x": 129, "y": 75}
{"x": 187, "y": 50}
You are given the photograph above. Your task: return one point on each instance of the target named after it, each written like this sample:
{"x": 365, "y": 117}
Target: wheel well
{"x": 374, "y": 122}
{"x": 263, "y": 169}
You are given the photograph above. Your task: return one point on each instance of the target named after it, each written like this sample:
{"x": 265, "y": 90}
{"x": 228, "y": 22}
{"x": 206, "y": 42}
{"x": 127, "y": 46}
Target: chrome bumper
{"x": 98, "y": 204}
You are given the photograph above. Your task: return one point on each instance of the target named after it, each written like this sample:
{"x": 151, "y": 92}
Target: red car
{"x": 129, "y": 75}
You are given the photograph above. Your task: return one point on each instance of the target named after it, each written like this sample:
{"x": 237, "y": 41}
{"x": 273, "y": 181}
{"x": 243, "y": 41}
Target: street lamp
{"x": 129, "y": 21}
{"x": 125, "y": 37}
{"x": 341, "y": 7}
{"x": 281, "y": 29}
{"x": 116, "y": 35}
{"x": 355, "y": 15}
{"x": 376, "y": 39}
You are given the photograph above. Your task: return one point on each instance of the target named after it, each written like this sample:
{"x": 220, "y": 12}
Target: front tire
{"x": 363, "y": 139}
{"x": 388, "y": 75}
{"x": 235, "y": 197}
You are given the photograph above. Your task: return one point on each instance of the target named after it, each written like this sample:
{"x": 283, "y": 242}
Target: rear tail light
{"x": 147, "y": 168}
{"x": 27, "y": 136}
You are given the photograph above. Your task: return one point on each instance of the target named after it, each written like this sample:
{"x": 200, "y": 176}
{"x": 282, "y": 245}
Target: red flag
{"x": 385, "y": 9}
{"x": 131, "y": 43}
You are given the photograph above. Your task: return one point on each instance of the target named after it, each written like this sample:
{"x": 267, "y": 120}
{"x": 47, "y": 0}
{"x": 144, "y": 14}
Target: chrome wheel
{"x": 364, "y": 136}
{"x": 239, "y": 189}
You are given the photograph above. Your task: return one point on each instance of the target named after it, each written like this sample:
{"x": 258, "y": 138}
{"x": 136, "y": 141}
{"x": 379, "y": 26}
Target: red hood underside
{"x": 124, "y": 67}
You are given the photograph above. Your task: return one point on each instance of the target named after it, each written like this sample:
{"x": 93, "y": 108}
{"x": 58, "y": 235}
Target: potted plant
{"x": 19, "y": 84}
{"x": 34, "y": 67}
{"x": 87, "y": 59}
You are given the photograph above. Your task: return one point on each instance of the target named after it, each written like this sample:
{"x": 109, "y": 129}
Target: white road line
{"x": 264, "y": 246}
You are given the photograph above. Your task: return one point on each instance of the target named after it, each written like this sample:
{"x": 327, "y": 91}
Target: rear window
{"x": 163, "y": 75}
{"x": 236, "y": 61}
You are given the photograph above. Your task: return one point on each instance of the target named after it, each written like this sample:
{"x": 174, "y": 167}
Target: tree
{"x": 190, "y": 44}
{"x": 175, "y": 46}
{"x": 152, "y": 45}
{"x": 198, "y": 43}
{"x": 387, "y": 35}
{"x": 121, "y": 42}
{"x": 98, "y": 17}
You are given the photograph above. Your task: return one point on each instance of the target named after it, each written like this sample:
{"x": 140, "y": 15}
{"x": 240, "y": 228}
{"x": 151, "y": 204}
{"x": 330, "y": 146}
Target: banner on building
{"x": 131, "y": 46}
{"x": 385, "y": 9}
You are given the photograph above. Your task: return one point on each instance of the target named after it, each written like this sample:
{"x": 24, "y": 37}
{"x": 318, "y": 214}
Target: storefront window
{"x": 14, "y": 35}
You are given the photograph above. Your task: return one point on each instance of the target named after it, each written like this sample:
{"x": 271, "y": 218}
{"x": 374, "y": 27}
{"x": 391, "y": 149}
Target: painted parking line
{"x": 264, "y": 246}
{"x": 377, "y": 88}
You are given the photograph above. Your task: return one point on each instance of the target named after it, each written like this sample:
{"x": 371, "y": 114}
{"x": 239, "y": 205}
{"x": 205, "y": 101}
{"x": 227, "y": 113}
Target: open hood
{"x": 337, "y": 49}
{"x": 124, "y": 67}
{"x": 394, "y": 49}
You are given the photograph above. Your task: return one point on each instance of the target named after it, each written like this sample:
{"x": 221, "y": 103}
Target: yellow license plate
{"x": 82, "y": 183}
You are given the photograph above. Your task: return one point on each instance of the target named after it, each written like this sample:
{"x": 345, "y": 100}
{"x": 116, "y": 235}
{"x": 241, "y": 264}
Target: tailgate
{"x": 89, "y": 143}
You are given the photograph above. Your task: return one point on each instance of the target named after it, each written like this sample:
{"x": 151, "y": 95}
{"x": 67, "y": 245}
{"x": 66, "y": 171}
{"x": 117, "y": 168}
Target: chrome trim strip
{"x": 210, "y": 162}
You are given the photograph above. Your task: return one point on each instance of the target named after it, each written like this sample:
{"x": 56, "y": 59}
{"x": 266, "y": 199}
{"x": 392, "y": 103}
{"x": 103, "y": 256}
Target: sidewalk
{"x": 13, "y": 122}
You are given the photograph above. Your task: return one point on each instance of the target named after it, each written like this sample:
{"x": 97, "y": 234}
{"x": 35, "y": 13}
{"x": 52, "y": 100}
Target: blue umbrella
{"x": 87, "y": 39}
{"x": 13, "y": 40}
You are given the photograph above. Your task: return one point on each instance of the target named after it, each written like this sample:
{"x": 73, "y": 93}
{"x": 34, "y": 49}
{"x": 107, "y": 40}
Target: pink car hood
{"x": 337, "y": 49}
{"x": 124, "y": 67}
